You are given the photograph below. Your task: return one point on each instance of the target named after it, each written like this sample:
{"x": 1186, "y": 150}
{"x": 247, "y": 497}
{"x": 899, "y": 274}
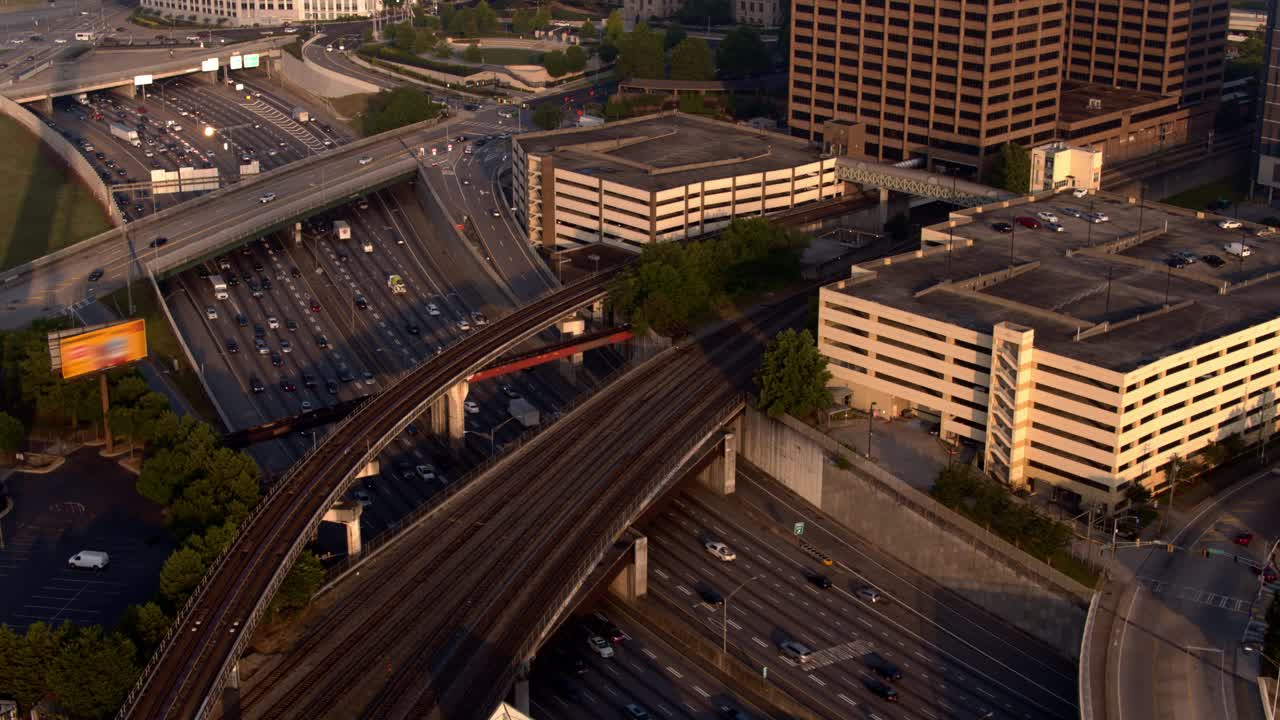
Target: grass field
{"x": 43, "y": 206}
{"x": 508, "y": 56}
{"x": 352, "y": 106}
{"x": 1197, "y": 198}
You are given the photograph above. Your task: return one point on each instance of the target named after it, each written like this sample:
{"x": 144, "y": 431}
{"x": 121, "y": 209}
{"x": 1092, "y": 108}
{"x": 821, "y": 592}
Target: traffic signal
{"x": 1169, "y": 548}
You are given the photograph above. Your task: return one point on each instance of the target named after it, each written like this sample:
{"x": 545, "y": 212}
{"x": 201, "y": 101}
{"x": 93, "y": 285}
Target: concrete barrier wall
{"x": 321, "y": 80}
{"x": 69, "y": 154}
{"x": 444, "y": 77}
{"x": 926, "y": 535}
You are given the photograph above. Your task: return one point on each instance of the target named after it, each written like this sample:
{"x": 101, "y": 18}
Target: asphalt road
{"x": 956, "y": 660}
{"x": 1179, "y": 644}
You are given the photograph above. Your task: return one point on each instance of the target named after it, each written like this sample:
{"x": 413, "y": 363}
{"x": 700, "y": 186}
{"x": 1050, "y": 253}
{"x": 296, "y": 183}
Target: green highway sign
{"x": 799, "y": 528}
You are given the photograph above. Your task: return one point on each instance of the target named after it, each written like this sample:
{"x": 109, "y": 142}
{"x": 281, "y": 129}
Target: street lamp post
{"x": 871, "y": 415}
{"x": 724, "y": 625}
{"x": 491, "y": 434}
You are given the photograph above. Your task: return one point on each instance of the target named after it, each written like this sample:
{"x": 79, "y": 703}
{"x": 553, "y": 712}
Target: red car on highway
{"x": 1028, "y": 222}
{"x": 1244, "y": 539}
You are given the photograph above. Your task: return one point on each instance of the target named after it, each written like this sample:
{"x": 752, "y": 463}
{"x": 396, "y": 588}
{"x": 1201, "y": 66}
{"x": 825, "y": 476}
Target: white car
{"x": 266, "y": 197}
{"x": 1047, "y": 216}
{"x": 306, "y": 406}
{"x": 471, "y": 407}
{"x": 464, "y": 326}
{"x": 1098, "y": 217}
{"x": 1080, "y": 192}
{"x": 433, "y": 310}
{"x": 600, "y": 646}
{"x": 426, "y": 472}
{"x": 722, "y": 552}
{"x": 211, "y": 312}
{"x": 273, "y": 323}
{"x": 365, "y": 160}
{"x": 870, "y": 594}
{"x": 1229, "y": 224}
{"x": 61, "y": 41}
{"x": 286, "y": 346}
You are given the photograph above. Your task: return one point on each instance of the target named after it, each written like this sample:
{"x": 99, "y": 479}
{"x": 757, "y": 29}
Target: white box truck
{"x": 367, "y": 245}
{"x": 1236, "y": 249}
{"x": 301, "y": 115}
{"x": 342, "y": 229}
{"x": 124, "y": 133}
{"x": 525, "y": 413}
{"x": 219, "y": 286}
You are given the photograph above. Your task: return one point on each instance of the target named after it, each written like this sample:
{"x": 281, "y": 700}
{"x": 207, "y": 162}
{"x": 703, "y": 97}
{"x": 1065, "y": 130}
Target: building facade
{"x": 1058, "y": 165}
{"x": 263, "y": 12}
{"x": 1268, "y": 143}
{"x": 766, "y": 13}
{"x": 955, "y": 80}
{"x": 657, "y": 178}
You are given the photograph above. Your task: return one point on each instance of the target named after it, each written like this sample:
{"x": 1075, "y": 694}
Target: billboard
{"x": 103, "y": 348}
{"x": 140, "y": 80}
{"x": 237, "y": 62}
{"x": 210, "y": 65}
{"x": 251, "y": 61}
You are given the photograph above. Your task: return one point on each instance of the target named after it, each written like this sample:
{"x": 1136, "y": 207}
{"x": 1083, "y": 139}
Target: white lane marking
{"x": 675, "y": 672}
{"x": 702, "y": 692}
{"x": 818, "y": 680}
{"x": 759, "y": 642}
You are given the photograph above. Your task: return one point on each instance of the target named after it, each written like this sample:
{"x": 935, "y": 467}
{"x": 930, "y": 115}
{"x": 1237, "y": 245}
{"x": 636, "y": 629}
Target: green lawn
{"x": 44, "y": 206}
{"x": 1198, "y": 198}
{"x": 508, "y": 56}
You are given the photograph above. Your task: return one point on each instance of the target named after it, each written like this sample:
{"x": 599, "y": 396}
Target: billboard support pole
{"x": 106, "y": 407}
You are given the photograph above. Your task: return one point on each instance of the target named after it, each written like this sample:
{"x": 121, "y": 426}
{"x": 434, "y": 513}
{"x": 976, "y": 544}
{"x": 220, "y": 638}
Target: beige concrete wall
{"x": 915, "y": 529}
{"x": 69, "y": 154}
{"x": 321, "y": 80}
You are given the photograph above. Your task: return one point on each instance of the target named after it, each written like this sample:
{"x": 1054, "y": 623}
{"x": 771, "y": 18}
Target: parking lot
{"x": 87, "y": 504}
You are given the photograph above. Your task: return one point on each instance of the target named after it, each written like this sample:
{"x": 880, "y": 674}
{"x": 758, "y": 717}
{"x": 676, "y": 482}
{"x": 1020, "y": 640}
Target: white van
{"x": 796, "y": 651}
{"x": 1236, "y": 249}
{"x": 90, "y": 560}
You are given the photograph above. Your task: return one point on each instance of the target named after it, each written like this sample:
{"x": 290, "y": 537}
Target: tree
{"x": 640, "y": 54}
{"x": 587, "y": 31}
{"x": 793, "y": 376}
{"x": 1011, "y": 169}
{"x": 555, "y": 63}
{"x": 486, "y": 19}
{"x": 423, "y": 41}
{"x": 691, "y": 60}
{"x": 614, "y": 27}
{"x": 542, "y": 19}
{"x": 548, "y": 116}
{"x": 27, "y": 660}
{"x": 93, "y": 673}
{"x": 225, "y": 491}
{"x": 742, "y": 54}
{"x": 472, "y": 53}
{"x": 608, "y": 52}
{"x": 575, "y": 59}
{"x": 182, "y": 572}
{"x": 397, "y": 108}
{"x": 146, "y": 625}
{"x": 12, "y": 434}
{"x": 304, "y": 578}
{"x": 403, "y": 37}
{"x": 522, "y": 22}
{"x": 674, "y": 36}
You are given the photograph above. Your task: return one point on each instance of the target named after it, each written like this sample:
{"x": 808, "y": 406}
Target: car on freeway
{"x": 158, "y": 242}
{"x": 426, "y": 472}
{"x": 413, "y": 329}
{"x": 1054, "y": 227}
{"x": 331, "y": 387}
{"x": 600, "y": 646}
{"x": 433, "y": 310}
{"x": 361, "y": 496}
{"x": 308, "y": 380}
{"x": 322, "y": 342}
{"x": 256, "y": 385}
{"x": 361, "y": 302}
{"x": 821, "y": 581}
{"x": 797, "y": 651}
{"x": 345, "y": 375}
{"x": 1229, "y": 224}
{"x": 365, "y": 160}
{"x": 276, "y": 360}
{"x": 1027, "y": 222}
{"x": 211, "y": 312}
{"x": 286, "y": 346}
{"x": 1243, "y": 539}
{"x": 241, "y": 320}
{"x": 510, "y": 392}
{"x": 882, "y": 691}
{"x": 1080, "y": 192}
{"x": 1187, "y": 255}
{"x": 636, "y": 711}
{"x": 710, "y": 597}
{"x": 1047, "y": 216}
{"x": 273, "y": 322}
{"x": 287, "y": 385}
{"x": 314, "y": 305}
{"x": 471, "y": 407}
{"x": 96, "y": 275}
{"x": 882, "y": 667}
{"x": 306, "y": 406}
{"x": 464, "y": 326}
{"x": 720, "y": 551}
{"x": 870, "y": 594}
{"x": 1097, "y": 217}
{"x": 266, "y": 198}
{"x": 1213, "y": 261}
{"x": 1002, "y": 227}
{"x": 1177, "y": 262}
{"x": 233, "y": 347}
{"x": 479, "y": 318}
{"x": 295, "y": 273}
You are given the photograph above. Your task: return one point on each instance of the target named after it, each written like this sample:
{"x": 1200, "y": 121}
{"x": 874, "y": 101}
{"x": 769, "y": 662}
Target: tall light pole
{"x": 491, "y": 434}
{"x": 724, "y": 625}
{"x": 871, "y": 415}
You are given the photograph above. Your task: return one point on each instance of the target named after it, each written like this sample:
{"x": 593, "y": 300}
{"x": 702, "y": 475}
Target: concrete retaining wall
{"x": 321, "y": 80}
{"x": 931, "y": 538}
{"x": 69, "y": 154}
{"x": 444, "y": 77}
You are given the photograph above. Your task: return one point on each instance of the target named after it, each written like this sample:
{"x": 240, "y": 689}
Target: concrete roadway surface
{"x": 53, "y": 22}
{"x": 957, "y": 661}
{"x": 1177, "y": 649}
{"x": 571, "y": 682}
{"x": 338, "y": 62}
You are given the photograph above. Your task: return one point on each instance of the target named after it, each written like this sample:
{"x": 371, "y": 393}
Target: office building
{"x": 953, "y": 81}
{"x": 659, "y": 177}
{"x": 1081, "y": 361}
{"x": 263, "y": 12}
{"x": 1268, "y": 143}
{"x": 1058, "y": 165}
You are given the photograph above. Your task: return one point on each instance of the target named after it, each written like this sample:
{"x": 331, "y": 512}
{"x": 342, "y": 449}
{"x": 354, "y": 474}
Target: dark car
{"x": 711, "y": 597}
{"x": 276, "y": 359}
{"x": 256, "y": 385}
{"x": 159, "y": 242}
{"x": 1028, "y": 222}
{"x": 266, "y": 283}
{"x": 315, "y": 306}
{"x": 413, "y": 329}
{"x": 362, "y": 303}
{"x": 232, "y": 279}
{"x": 935, "y": 429}
{"x": 882, "y": 667}
{"x": 607, "y": 630}
{"x": 1213, "y": 261}
{"x": 1003, "y": 227}
{"x": 322, "y": 342}
{"x": 882, "y": 691}
{"x": 1177, "y": 263}
{"x": 259, "y": 331}
{"x": 822, "y": 581}
{"x": 308, "y": 380}
{"x": 257, "y": 266}
{"x": 287, "y": 385}
{"x": 331, "y": 387}
{"x": 202, "y": 271}
{"x": 345, "y": 375}
{"x": 295, "y": 273}
{"x": 510, "y": 392}
{"x": 291, "y": 325}
{"x": 96, "y": 275}
{"x": 233, "y": 347}
{"x": 241, "y": 320}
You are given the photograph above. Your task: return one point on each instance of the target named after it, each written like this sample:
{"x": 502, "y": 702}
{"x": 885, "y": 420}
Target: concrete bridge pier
{"x": 448, "y": 416}
{"x": 231, "y": 693}
{"x": 883, "y": 208}
{"x": 720, "y": 475}
{"x": 348, "y": 515}
{"x": 633, "y": 582}
{"x": 45, "y": 105}
{"x": 571, "y": 327}
{"x": 597, "y": 314}
{"x": 128, "y": 92}
{"x": 520, "y": 691}
{"x": 208, "y": 78}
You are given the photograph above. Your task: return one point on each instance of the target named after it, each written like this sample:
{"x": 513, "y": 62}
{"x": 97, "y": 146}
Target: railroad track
{"x": 1136, "y": 169}
{"x": 192, "y": 664}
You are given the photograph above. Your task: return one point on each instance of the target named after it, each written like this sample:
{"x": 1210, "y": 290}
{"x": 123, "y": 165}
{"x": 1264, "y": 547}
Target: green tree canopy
{"x": 614, "y": 27}
{"x": 587, "y": 32}
{"x": 403, "y": 36}
{"x": 93, "y": 673}
{"x": 146, "y": 625}
{"x": 12, "y": 434}
{"x": 548, "y": 116}
{"x": 542, "y": 19}
{"x": 575, "y": 59}
{"x": 180, "y": 575}
{"x": 423, "y": 41}
{"x": 472, "y": 53}
{"x": 640, "y": 54}
{"x": 27, "y": 661}
{"x": 608, "y": 52}
{"x": 486, "y": 18}
{"x": 304, "y": 578}
{"x": 522, "y": 21}
{"x": 1011, "y": 169}
{"x": 742, "y": 54}
{"x": 691, "y": 60}
{"x": 555, "y": 63}
{"x": 674, "y": 35}
{"x": 793, "y": 376}
{"x": 397, "y": 108}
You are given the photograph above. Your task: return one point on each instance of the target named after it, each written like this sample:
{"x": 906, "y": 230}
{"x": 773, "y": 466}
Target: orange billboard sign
{"x": 103, "y": 348}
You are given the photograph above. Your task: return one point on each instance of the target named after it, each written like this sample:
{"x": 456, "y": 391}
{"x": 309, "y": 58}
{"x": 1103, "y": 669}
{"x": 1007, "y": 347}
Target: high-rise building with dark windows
{"x": 1268, "y": 143}
{"x": 952, "y": 80}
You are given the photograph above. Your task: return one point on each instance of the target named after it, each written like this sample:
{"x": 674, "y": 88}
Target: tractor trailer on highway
{"x": 219, "y": 286}
{"x": 301, "y": 115}
{"x": 124, "y": 133}
{"x": 342, "y": 229}
{"x": 525, "y": 413}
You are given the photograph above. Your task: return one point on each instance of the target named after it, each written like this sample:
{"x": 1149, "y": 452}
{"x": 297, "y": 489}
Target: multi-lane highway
{"x": 493, "y": 564}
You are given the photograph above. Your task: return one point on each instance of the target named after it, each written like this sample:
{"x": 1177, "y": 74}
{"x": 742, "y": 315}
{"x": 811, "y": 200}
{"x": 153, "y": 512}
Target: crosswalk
{"x": 1195, "y": 595}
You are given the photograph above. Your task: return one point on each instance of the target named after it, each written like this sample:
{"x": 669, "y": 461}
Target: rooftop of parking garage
{"x": 668, "y": 150}
{"x": 1079, "y": 281}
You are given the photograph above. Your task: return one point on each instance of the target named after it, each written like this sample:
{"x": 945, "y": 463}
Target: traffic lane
{"x": 503, "y": 243}
{"x": 918, "y": 642}
{"x": 759, "y": 501}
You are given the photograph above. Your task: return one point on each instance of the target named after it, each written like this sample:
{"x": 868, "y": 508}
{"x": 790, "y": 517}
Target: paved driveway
{"x": 903, "y": 447}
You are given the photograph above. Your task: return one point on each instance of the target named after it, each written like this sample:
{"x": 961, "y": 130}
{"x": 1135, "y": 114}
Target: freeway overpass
{"x": 205, "y": 641}
{"x": 107, "y": 69}
{"x": 213, "y": 222}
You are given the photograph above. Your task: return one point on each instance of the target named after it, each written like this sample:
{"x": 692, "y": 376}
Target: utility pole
{"x": 871, "y": 415}
{"x": 1173, "y": 485}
